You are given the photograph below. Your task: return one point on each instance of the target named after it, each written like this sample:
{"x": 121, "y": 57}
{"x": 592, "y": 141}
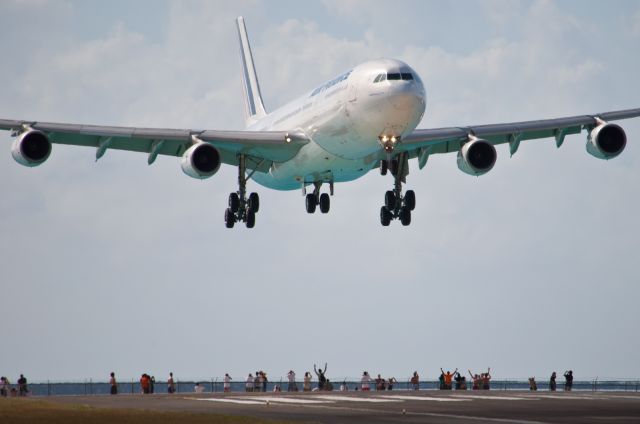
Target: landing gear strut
{"x": 241, "y": 208}
{"x": 396, "y": 204}
{"x": 312, "y": 200}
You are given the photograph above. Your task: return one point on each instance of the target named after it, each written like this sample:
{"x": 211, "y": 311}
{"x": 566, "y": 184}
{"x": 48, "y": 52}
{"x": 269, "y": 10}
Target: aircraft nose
{"x": 406, "y": 99}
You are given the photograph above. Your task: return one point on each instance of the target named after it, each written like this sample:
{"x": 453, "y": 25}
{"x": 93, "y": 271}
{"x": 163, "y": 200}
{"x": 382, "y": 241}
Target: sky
{"x": 119, "y": 266}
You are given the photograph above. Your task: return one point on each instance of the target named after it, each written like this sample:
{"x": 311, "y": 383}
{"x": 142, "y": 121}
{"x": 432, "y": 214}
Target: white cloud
{"x": 121, "y": 236}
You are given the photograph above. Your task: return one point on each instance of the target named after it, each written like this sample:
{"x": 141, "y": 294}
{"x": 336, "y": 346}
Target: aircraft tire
{"x": 405, "y": 216}
{"x": 325, "y": 203}
{"x": 234, "y": 202}
{"x": 410, "y": 200}
{"x": 311, "y": 201}
{"x": 390, "y": 199}
{"x": 385, "y": 216}
{"x": 229, "y": 218}
{"x": 251, "y": 218}
{"x": 254, "y": 202}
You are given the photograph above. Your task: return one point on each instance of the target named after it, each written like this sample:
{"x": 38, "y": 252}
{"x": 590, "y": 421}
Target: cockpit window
{"x": 407, "y": 76}
{"x": 380, "y": 77}
{"x": 391, "y": 77}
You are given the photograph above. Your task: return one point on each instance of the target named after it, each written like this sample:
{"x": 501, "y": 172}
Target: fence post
{"x": 48, "y": 388}
{"x": 90, "y": 386}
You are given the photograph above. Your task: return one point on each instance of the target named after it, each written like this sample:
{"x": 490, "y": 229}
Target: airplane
{"x": 364, "y": 119}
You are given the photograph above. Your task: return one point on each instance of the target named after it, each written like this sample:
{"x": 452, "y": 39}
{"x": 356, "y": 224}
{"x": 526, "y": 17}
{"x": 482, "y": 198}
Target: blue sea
{"x": 212, "y": 386}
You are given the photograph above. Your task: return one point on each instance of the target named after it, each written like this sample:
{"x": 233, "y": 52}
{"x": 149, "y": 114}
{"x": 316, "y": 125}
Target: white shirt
{"x": 365, "y": 380}
{"x": 292, "y": 377}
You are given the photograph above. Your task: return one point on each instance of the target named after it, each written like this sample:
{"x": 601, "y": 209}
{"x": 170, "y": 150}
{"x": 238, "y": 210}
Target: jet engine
{"x": 606, "y": 141}
{"x": 201, "y": 161}
{"x": 476, "y": 157}
{"x": 31, "y": 148}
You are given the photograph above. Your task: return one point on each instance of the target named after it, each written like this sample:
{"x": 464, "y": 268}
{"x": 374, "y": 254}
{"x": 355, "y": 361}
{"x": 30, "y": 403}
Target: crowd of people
{"x": 7, "y": 390}
{"x": 568, "y": 382}
{"x": 448, "y": 381}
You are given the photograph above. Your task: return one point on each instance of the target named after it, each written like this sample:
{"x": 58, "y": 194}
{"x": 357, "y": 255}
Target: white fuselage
{"x": 345, "y": 118}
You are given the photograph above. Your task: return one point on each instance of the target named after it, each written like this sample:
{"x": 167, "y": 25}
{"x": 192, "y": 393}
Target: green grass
{"x": 38, "y": 411}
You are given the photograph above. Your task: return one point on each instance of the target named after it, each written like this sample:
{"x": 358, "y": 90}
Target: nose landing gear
{"x": 242, "y": 208}
{"x": 396, "y": 204}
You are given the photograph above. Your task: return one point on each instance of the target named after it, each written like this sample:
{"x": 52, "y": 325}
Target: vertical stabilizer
{"x": 254, "y": 108}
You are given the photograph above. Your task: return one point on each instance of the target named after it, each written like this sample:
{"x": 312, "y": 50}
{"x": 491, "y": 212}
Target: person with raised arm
{"x": 476, "y": 381}
{"x": 321, "y": 373}
{"x": 486, "y": 378}
{"x": 448, "y": 378}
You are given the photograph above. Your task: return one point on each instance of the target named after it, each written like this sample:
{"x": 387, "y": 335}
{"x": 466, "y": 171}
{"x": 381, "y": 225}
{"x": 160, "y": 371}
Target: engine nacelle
{"x": 606, "y": 141}
{"x": 201, "y": 161}
{"x": 31, "y": 148}
{"x": 477, "y": 157}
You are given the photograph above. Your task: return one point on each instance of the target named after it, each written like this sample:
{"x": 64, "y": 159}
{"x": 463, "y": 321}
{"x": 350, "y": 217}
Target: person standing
{"x": 475, "y": 378}
{"x": 552, "y": 382}
{"x": 152, "y": 384}
{"x": 113, "y": 384}
{"x": 391, "y": 382}
{"x": 292, "y": 386}
{"x": 415, "y": 381}
{"x": 365, "y": 382}
{"x": 248, "y": 386}
{"x": 306, "y": 384}
{"x": 145, "y": 382}
{"x": 461, "y": 381}
{"x": 486, "y": 378}
{"x": 22, "y": 385}
{"x": 227, "y": 383}
{"x": 171, "y": 385}
{"x": 322, "y": 378}
{"x": 568, "y": 380}
{"x": 263, "y": 375}
{"x": 4, "y": 386}
{"x": 447, "y": 378}
{"x": 257, "y": 382}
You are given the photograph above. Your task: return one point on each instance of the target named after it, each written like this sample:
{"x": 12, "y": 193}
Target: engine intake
{"x": 31, "y": 148}
{"x": 606, "y": 141}
{"x": 477, "y": 157}
{"x": 201, "y": 161}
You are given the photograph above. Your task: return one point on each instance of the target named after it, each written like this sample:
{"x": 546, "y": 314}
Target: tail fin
{"x": 254, "y": 108}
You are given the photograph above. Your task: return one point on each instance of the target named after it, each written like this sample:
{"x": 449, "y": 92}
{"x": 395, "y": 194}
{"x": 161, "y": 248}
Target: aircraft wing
{"x": 261, "y": 148}
{"x": 423, "y": 142}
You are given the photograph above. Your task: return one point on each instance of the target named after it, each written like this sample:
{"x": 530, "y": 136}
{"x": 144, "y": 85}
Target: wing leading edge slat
{"x": 444, "y": 140}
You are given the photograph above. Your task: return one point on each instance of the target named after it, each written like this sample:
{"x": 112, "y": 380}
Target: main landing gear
{"x": 242, "y": 208}
{"x": 315, "y": 199}
{"x": 396, "y": 204}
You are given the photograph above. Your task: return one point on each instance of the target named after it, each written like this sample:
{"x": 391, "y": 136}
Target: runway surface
{"x": 381, "y": 407}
